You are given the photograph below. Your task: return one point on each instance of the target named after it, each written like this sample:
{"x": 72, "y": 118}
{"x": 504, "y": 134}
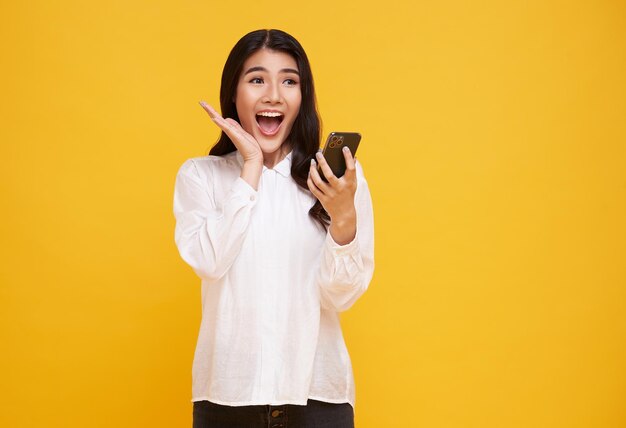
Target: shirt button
{"x": 276, "y": 413}
{"x": 252, "y": 198}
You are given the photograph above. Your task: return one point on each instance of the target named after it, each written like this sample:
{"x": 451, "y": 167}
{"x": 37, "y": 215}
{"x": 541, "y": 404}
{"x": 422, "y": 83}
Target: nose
{"x": 273, "y": 94}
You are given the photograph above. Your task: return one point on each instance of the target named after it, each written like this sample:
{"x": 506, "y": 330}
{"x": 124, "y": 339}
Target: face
{"x": 268, "y": 97}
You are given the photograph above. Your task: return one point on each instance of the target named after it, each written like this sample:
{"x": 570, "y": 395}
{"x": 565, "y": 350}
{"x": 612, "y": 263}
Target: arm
{"x": 347, "y": 263}
{"x": 346, "y": 270}
{"x": 209, "y": 235}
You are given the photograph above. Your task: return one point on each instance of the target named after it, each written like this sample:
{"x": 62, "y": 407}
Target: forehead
{"x": 273, "y": 61}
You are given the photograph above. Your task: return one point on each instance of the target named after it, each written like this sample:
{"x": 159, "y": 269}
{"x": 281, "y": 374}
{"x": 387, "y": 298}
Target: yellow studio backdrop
{"x": 494, "y": 143}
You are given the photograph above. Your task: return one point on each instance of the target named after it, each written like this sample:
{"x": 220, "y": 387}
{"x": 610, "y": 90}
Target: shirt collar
{"x": 283, "y": 167}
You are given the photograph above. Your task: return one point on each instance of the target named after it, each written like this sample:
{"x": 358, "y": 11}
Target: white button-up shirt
{"x": 273, "y": 282}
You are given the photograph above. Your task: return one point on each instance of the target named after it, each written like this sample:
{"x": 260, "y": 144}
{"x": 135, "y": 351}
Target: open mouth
{"x": 269, "y": 122}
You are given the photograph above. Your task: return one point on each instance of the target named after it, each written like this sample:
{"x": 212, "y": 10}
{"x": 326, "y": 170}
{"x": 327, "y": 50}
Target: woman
{"x": 280, "y": 251}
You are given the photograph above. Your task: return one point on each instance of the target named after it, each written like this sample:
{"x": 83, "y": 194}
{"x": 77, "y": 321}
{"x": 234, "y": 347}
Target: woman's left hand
{"x": 336, "y": 196}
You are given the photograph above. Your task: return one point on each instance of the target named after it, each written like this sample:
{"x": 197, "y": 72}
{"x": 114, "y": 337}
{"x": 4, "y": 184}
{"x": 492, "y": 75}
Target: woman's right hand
{"x": 246, "y": 144}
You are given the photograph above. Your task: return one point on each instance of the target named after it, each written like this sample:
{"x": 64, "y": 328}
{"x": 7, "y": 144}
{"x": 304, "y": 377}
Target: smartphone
{"x": 333, "y": 151}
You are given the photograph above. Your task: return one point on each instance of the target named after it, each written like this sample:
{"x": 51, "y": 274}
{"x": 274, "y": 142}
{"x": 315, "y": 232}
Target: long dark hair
{"x": 305, "y": 132}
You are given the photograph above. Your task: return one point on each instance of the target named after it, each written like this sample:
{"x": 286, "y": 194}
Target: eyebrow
{"x": 259, "y": 68}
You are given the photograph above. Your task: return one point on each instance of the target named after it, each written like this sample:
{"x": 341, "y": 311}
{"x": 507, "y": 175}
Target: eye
{"x": 256, "y": 80}
{"x": 290, "y": 82}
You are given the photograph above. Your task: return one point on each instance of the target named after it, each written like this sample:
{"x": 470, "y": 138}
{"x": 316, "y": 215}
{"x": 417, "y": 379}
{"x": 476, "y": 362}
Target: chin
{"x": 270, "y": 146}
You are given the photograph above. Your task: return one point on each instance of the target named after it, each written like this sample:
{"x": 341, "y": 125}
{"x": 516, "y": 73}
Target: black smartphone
{"x": 333, "y": 153}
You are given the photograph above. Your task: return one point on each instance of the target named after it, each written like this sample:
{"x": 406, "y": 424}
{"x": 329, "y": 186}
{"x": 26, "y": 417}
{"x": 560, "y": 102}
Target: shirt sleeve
{"x": 346, "y": 270}
{"x": 209, "y": 234}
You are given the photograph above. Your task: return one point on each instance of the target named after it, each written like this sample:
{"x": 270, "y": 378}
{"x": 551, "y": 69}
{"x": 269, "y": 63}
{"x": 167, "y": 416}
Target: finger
{"x": 233, "y": 123}
{"x": 316, "y": 192}
{"x": 239, "y": 136}
{"x": 210, "y": 110}
{"x": 233, "y": 128}
{"x": 238, "y": 129}
{"x": 215, "y": 116}
{"x": 222, "y": 123}
{"x": 228, "y": 125}
{"x": 317, "y": 180}
{"x": 328, "y": 173}
{"x": 350, "y": 162}
{"x": 313, "y": 188}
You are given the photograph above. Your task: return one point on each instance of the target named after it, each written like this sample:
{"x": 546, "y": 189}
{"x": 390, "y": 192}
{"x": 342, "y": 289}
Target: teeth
{"x": 269, "y": 114}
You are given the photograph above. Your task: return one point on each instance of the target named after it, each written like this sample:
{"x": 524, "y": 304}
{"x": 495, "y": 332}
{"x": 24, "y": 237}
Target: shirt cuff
{"x": 351, "y": 247}
{"x": 243, "y": 189}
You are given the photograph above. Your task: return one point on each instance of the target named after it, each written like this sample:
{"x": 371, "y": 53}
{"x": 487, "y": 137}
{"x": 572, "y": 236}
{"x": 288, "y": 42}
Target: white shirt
{"x": 273, "y": 282}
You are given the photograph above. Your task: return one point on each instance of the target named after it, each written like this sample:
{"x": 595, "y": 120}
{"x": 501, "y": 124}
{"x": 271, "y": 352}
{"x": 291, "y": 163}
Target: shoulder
{"x": 206, "y": 166}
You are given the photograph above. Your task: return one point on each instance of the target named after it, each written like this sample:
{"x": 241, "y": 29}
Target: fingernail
{"x": 319, "y": 155}
{"x": 346, "y": 149}
{"x": 312, "y": 161}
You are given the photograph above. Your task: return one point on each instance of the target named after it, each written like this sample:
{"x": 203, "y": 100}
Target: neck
{"x": 270, "y": 160}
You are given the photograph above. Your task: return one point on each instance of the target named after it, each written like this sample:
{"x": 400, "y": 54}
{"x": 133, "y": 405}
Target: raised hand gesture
{"x": 245, "y": 143}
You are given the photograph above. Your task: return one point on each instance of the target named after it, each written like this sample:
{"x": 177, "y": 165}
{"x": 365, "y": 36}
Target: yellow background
{"x": 495, "y": 148}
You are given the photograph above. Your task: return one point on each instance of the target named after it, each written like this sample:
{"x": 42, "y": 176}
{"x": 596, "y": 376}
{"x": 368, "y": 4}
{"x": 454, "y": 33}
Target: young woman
{"x": 279, "y": 250}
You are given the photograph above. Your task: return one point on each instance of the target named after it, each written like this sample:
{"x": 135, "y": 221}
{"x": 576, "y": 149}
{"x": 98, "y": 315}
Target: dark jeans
{"x": 316, "y": 414}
